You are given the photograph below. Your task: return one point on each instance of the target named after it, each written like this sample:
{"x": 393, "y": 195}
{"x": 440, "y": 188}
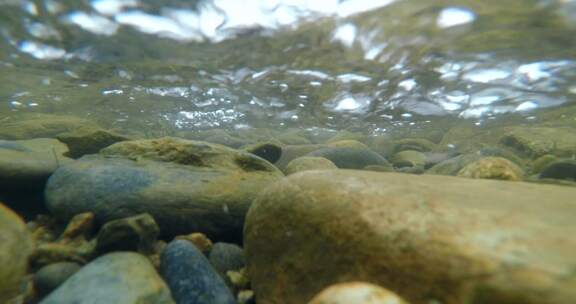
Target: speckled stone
{"x": 191, "y": 277}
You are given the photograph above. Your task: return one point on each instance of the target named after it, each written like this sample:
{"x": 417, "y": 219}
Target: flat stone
{"x": 191, "y": 277}
{"x": 28, "y": 163}
{"x": 15, "y": 249}
{"x": 87, "y": 140}
{"x": 187, "y": 186}
{"x": 537, "y": 141}
{"x": 37, "y": 125}
{"x": 115, "y": 278}
{"x": 429, "y": 238}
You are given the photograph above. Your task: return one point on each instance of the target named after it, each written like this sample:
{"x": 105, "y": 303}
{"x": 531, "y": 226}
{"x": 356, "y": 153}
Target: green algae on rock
{"x": 187, "y": 186}
{"x": 425, "y": 237}
{"x": 492, "y": 168}
{"x": 538, "y": 141}
{"x": 36, "y": 125}
{"x": 15, "y": 249}
{"x": 308, "y": 163}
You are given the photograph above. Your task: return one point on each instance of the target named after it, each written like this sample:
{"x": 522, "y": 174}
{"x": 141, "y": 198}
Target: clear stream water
{"x": 364, "y": 65}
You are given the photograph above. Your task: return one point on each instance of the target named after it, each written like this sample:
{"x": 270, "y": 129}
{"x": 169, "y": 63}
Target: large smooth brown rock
{"x": 427, "y": 238}
{"x": 16, "y": 246}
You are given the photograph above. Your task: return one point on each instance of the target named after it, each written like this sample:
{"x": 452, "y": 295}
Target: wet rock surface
{"x": 561, "y": 169}
{"x": 538, "y": 141}
{"x": 15, "y": 249}
{"x": 417, "y": 235}
{"x": 37, "y": 125}
{"x": 29, "y": 163}
{"x": 191, "y": 277}
{"x": 350, "y": 157}
{"x": 88, "y": 140}
{"x": 185, "y": 185}
{"x": 49, "y": 277}
{"x": 226, "y": 257}
{"x": 115, "y": 278}
{"x": 356, "y": 293}
{"x": 135, "y": 233}
{"x": 492, "y": 168}
{"x": 305, "y": 163}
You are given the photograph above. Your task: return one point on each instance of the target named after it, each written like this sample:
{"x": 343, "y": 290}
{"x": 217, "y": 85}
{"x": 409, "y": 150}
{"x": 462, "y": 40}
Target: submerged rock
{"x": 562, "y": 169}
{"x": 492, "y": 168}
{"x": 350, "y": 158}
{"x": 292, "y": 152}
{"x": 73, "y": 245}
{"x": 428, "y": 238}
{"x": 199, "y": 240}
{"x": 414, "y": 144}
{"x": 537, "y": 141}
{"x": 268, "y": 151}
{"x": 87, "y": 140}
{"x": 187, "y": 186}
{"x": 15, "y": 248}
{"x": 36, "y": 125}
{"x": 115, "y": 278}
{"x": 409, "y": 158}
{"x": 356, "y": 293}
{"x": 226, "y": 257}
{"x": 135, "y": 233}
{"x": 191, "y": 277}
{"x": 49, "y": 277}
{"x": 309, "y": 163}
{"x": 28, "y": 163}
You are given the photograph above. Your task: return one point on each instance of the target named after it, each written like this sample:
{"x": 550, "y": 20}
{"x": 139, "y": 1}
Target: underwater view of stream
{"x": 412, "y": 151}
{"x": 372, "y": 66}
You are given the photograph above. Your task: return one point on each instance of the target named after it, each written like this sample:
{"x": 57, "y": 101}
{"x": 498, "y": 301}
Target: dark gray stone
{"x": 190, "y": 276}
{"x": 350, "y": 158}
{"x": 561, "y": 169}
{"x": 49, "y": 277}
{"x": 226, "y": 257}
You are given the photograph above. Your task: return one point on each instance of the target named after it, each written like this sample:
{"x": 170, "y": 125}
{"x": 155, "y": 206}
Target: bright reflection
{"x": 453, "y": 16}
{"x": 112, "y": 7}
{"x": 41, "y": 51}
{"x": 346, "y": 34}
{"x": 93, "y": 23}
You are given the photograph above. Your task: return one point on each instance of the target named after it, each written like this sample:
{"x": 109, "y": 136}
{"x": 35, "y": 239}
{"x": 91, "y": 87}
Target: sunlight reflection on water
{"x": 465, "y": 85}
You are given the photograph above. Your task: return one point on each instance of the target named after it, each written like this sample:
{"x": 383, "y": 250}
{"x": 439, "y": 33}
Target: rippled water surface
{"x": 363, "y": 65}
